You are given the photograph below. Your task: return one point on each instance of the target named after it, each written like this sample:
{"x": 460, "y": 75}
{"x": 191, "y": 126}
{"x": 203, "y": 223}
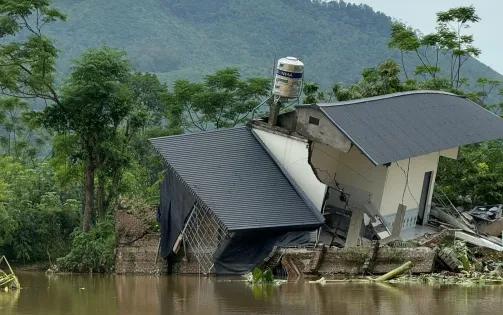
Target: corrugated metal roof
{"x": 403, "y": 125}
{"x": 237, "y": 179}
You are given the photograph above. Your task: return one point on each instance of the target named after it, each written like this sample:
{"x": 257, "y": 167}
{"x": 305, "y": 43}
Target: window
{"x": 314, "y": 121}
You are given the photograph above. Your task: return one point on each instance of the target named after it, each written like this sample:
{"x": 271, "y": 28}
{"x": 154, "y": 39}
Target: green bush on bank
{"x": 92, "y": 251}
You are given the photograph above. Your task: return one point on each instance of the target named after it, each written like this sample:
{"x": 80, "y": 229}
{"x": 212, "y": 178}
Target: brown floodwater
{"x": 135, "y": 295}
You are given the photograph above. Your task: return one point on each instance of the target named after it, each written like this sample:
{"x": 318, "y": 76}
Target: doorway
{"x": 425, "y": 192}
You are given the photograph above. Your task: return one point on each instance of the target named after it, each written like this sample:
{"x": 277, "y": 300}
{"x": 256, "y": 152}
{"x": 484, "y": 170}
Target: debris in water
{"x": 8, "y": 280}
{"x": 258, "y": 276}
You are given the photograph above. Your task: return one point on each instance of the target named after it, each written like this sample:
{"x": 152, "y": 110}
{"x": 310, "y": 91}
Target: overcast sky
{"x": 421, "y": 15}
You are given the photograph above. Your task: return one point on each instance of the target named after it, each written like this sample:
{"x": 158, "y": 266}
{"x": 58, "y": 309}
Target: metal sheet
{"x": 237, "y": 179}
{"x": 403, "y": 125}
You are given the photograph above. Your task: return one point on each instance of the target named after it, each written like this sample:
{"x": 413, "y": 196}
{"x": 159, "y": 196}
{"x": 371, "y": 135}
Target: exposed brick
{"x": 137, "y": 246}
{"x": 351, "y": 260}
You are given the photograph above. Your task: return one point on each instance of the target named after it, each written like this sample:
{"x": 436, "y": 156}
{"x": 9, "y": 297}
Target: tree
{"x": 19, "y": 138}
{"x": 27, "y": 67}
{"x": 313, "y": 93}
{"x": 223, "y": 100}
{"x": 148, "y": 92}
{"x": 460, "y": 46}
{"x": 380, "y": 80}
{"x": 449, "y": 39}
{"x": 27, "y": 71}
{"x": 485, "y": 88}
{"x": 95, "y": 102}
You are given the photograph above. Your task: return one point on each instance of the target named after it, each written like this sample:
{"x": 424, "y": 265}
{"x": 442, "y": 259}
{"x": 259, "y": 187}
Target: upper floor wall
{"x": 293, "y": 156}
{"x": 353, "y": 172}
{"x": 315, "y": 126}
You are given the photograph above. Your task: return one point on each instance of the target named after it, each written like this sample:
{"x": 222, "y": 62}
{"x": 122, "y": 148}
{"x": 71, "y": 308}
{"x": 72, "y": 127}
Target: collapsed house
{"x": 229, "y": 200}
{"x": 361, "y": 168}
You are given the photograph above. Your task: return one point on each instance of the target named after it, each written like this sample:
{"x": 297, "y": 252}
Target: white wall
{"x": 396, "y": 182}
{"x": 355, "y": 173}
{"x": 292, "y": 154}
{"x": 450, "y": 153}
{"x": 382, "y": 186}
{"x": 323, "y": 132}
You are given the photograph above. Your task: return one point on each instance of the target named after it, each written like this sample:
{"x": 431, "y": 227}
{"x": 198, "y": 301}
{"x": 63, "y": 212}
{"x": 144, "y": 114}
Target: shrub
{"x": 92, "y": 251}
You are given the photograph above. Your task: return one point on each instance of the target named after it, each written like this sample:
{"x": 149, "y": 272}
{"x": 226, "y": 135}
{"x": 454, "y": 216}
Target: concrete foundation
{"x": 139, "y": 257}
{"x": 351, "y": 261}
{"x": 137, "y": 245}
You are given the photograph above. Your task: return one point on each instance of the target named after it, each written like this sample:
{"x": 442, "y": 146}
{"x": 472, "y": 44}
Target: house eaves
{"x": 399, "y": 126}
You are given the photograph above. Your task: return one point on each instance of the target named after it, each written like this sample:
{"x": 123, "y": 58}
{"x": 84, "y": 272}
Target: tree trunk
{"x": 101, "y": 196}
{"x": 89, "y": 195}
{"x": 110, "y": 202}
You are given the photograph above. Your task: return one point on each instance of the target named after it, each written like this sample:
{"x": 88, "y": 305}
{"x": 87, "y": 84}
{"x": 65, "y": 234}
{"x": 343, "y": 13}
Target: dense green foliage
{"x": 36, "y": 216}
{"x": 19, "y": 138}
{"x": 188, "y": 39}
{"x": 99, "y": 118}
{"x": 92, "y": 251}
{"x": 476, "y": 177}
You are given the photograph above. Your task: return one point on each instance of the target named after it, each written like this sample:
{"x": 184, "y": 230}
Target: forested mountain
{"x": 190, "y": 38}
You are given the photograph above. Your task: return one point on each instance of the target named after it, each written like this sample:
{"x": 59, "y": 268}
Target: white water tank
{"x": 288, "y": 80}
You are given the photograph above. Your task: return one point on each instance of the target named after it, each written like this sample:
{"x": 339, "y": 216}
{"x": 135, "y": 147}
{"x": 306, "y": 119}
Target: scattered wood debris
{"x": 9, "y": 280}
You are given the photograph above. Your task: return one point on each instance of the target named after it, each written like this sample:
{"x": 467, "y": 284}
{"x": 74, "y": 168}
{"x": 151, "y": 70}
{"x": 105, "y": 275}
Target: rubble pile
{"x": 466, "y": 254}
{"x": 461, "y": 253}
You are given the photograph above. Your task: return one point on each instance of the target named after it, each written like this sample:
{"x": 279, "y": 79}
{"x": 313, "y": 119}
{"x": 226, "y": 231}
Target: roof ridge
{"x": 380, "y": 97}
{"x": 200, "y": 132}
{"x": 401, "y": 128}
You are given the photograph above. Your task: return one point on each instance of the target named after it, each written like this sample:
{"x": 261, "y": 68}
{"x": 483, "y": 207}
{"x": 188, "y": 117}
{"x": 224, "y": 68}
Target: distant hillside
{"x": 190, "y": 38}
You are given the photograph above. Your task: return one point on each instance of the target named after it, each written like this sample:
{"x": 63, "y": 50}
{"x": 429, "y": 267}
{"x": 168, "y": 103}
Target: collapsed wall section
{"x": 137, "y": 241}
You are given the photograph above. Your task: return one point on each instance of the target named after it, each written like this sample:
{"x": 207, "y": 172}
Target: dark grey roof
{"x": 237, "y": 179}
{"x": 403, "y": 125}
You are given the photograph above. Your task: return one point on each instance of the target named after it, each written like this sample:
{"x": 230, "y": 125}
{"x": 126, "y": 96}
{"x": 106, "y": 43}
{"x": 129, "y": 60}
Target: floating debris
{"x": 465, "y": 279}
{"x": 8, "y": 280}
{"x": 390, "y": 275}
{"x": 258, "y": 276}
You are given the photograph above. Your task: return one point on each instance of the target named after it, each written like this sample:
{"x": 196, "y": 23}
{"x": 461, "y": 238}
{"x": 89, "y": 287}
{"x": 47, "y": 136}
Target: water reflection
{"x": 134, "y": 295}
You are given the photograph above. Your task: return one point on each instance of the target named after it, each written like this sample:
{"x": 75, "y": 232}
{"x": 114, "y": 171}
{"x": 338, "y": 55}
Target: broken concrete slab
{"x": 477, "y": 241}
{"x": 451, "y": 220}
{"x": 355, "y": 226}
{"x": 494, "y": 228}
{"x": 397, "y": 226}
